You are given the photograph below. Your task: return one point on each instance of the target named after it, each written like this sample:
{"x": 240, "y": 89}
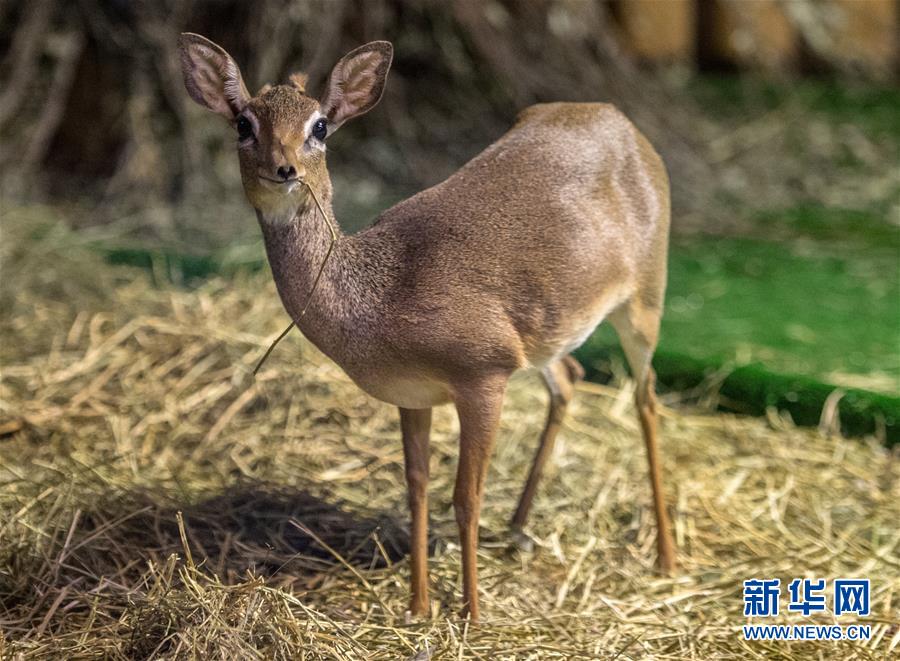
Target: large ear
{"x": 211, "y": 76}
{"x": 356, "y": 82}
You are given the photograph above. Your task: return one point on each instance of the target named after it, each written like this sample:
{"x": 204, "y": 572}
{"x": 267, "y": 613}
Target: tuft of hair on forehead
{"x": 284, "y": 105}
{"x": 298, "y": 80}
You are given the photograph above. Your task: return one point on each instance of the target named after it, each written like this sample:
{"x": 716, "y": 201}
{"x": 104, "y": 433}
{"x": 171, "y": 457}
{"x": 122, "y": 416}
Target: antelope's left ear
{"x": 356, "y": 83}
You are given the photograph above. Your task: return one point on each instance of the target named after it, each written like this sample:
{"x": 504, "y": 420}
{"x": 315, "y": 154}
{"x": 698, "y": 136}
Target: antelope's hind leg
{"x": 560, "y": 378}
{"x": 638, "y": 330}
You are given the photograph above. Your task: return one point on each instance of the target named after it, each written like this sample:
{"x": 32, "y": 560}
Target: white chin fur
{"x": 280, "y": 205}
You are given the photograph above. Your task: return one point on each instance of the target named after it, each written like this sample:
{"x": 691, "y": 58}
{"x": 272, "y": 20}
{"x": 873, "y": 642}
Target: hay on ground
{"x": 156, "y": 501}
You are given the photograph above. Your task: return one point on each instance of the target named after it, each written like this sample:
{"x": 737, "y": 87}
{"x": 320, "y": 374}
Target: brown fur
{"x": 508, "y": 264}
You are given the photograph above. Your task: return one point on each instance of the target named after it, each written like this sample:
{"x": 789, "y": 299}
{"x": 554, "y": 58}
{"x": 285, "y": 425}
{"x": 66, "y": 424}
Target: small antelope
{"x": 509, "y": 264}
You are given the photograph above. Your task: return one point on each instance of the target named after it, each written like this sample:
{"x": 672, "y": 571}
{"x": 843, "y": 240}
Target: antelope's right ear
{"x": 211, "y": 76}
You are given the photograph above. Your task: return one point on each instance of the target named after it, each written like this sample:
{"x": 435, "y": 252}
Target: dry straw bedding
{"x": 136, "y": 403}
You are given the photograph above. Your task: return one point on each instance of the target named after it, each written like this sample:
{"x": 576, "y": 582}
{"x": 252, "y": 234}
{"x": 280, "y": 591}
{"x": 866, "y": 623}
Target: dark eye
{"x": 244, "y": 128}
{"x": 320, "y": 129}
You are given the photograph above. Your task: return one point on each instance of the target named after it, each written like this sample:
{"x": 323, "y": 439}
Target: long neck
{"x": 347, "y": 290}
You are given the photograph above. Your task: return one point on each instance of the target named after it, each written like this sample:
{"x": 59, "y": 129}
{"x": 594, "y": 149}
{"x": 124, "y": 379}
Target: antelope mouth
{"x": 279, "y": 185}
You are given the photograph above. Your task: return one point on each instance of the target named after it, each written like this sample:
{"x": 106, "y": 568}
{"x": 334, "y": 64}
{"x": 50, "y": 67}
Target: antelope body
{"x": 509, "y": 264}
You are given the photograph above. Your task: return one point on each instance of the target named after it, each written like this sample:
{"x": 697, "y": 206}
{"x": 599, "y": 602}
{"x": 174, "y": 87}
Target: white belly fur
{"x": 409, "y": 392}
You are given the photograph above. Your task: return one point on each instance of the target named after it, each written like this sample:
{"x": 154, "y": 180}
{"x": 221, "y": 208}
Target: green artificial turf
{"x": 785, "y": 323}
{"x": 796, "y": 311}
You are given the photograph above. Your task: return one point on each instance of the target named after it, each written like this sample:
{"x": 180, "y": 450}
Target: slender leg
{"x": 478, "y": 406}
{"x": 645, "y": 398}
{"x": 415, "y": 425}
{"x": 560, "y": 378}
{"x": 638, "y": 328}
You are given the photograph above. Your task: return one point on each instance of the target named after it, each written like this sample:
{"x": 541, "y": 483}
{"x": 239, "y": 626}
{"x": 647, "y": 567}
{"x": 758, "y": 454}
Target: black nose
{"x": 286, "y": 171}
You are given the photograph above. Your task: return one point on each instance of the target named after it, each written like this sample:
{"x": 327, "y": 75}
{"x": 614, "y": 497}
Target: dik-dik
{"x": 509, "y": 264}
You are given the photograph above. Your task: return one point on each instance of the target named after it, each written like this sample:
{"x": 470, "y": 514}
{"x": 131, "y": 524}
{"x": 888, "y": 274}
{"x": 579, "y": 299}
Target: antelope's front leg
{"x": 415, "y": 425}
{"x": 478, "y": 406}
